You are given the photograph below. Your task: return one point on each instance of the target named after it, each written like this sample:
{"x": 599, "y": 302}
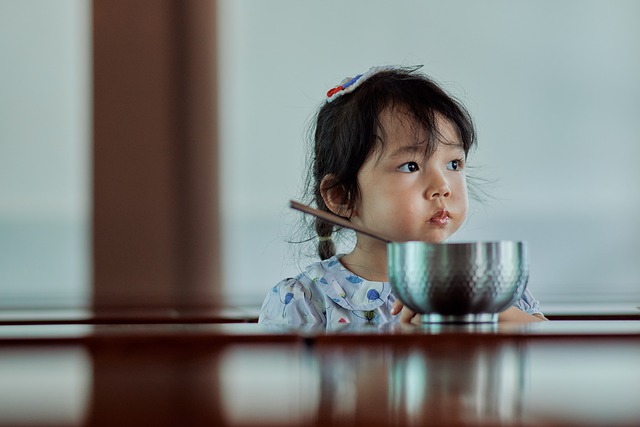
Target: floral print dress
{"x": 328, "y": 293}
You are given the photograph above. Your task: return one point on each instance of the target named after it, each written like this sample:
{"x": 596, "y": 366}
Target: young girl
{"x": 389, "y": 154}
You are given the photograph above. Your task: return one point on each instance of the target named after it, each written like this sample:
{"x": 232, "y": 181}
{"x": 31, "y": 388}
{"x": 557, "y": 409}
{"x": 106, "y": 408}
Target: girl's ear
{"x": 334, "y": 196}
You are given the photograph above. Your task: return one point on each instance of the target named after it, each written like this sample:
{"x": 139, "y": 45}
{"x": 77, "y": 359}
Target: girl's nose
{"x": 437, "y": 187}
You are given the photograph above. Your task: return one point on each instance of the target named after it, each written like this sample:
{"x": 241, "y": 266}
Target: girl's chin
{"x": 425, "y": 239}
{"x": 440, "y": 236}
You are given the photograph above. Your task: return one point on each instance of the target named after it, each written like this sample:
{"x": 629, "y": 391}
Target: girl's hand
{"x": 406, "y": 315}
{"x": 512, "y": 314}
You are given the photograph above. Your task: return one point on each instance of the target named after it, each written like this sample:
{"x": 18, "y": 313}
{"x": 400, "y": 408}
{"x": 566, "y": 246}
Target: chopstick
{"x": 336, "y": 220}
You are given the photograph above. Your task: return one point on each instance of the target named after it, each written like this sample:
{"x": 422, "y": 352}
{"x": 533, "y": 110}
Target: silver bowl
{"x": 458, "y": 282}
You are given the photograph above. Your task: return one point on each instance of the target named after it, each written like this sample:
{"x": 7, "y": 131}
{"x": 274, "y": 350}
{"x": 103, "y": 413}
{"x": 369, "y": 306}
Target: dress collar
{"x": 346, "y": 288}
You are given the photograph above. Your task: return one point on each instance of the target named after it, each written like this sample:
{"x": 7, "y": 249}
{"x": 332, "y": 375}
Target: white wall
{"x": 44, "y": 152}
{"x": 552, "y": 85}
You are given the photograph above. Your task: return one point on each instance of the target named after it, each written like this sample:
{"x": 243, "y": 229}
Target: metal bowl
{"x": 458, "y": 282}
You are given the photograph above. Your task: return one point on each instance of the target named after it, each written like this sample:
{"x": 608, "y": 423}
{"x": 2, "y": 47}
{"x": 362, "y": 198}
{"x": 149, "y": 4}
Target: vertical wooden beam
{"x": 200, "y": 242}
{"x": 155, "y": 214}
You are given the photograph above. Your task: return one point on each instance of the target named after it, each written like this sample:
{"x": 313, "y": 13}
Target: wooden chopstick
{"x": 336, "y": 220}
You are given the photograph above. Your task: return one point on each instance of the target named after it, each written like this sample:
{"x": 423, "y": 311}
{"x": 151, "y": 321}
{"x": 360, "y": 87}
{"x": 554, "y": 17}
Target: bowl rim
{"x": 462, "y": 243}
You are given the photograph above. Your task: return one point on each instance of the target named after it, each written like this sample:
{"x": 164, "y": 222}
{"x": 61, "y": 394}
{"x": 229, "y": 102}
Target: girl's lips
{"x": 440, "y": 218}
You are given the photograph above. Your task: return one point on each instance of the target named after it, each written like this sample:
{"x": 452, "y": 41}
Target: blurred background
{"x": 552, "y": 86}
{"x": 45, "y": 149}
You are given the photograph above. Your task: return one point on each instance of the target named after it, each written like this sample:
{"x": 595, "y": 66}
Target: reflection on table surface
{"x": 564, "y": 373}
{"x": 629, "y": 310}
{"x": 252, "y": 331}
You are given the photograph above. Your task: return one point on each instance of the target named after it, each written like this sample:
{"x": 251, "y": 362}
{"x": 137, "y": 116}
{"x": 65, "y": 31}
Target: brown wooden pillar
{"x": 155, "y": 211}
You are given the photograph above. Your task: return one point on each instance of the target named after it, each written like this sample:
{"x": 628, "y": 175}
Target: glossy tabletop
{"x": 564, "y": 373}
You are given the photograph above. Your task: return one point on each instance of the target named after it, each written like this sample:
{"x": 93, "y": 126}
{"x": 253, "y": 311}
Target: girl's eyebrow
{"x": 456, "y": 145}
{"x": 407, "y": 149}
{"x": 419, "y": 147}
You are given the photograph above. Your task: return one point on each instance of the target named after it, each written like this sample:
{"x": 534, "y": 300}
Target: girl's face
{"x": 404, "y": 194}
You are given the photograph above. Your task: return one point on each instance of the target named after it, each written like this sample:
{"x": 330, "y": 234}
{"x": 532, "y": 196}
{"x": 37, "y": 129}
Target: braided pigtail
{"x": 324, "y": 230}
{"x": 326, "y": 247}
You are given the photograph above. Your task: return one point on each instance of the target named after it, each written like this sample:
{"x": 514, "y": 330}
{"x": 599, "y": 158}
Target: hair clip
{"x": 351, "y": 83}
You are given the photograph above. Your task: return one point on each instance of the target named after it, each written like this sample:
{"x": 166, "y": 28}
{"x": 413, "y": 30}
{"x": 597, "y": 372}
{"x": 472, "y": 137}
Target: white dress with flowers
{"x": 328, "y": 293}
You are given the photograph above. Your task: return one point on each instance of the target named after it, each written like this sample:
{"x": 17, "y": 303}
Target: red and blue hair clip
{"x": 342, "y": 87}
{"x": 351, "y": 83}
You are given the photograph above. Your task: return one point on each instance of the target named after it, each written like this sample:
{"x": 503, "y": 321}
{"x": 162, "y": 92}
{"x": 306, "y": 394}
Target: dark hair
{"x": 345, "y": 132}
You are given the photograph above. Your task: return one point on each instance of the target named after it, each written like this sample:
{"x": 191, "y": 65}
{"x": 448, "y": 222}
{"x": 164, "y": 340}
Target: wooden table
{"x": 561, "y": 373}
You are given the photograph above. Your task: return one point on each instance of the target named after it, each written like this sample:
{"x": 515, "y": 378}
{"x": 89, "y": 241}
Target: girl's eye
{"x": 454, "y": 165}
{"x": 409, "y": 167}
